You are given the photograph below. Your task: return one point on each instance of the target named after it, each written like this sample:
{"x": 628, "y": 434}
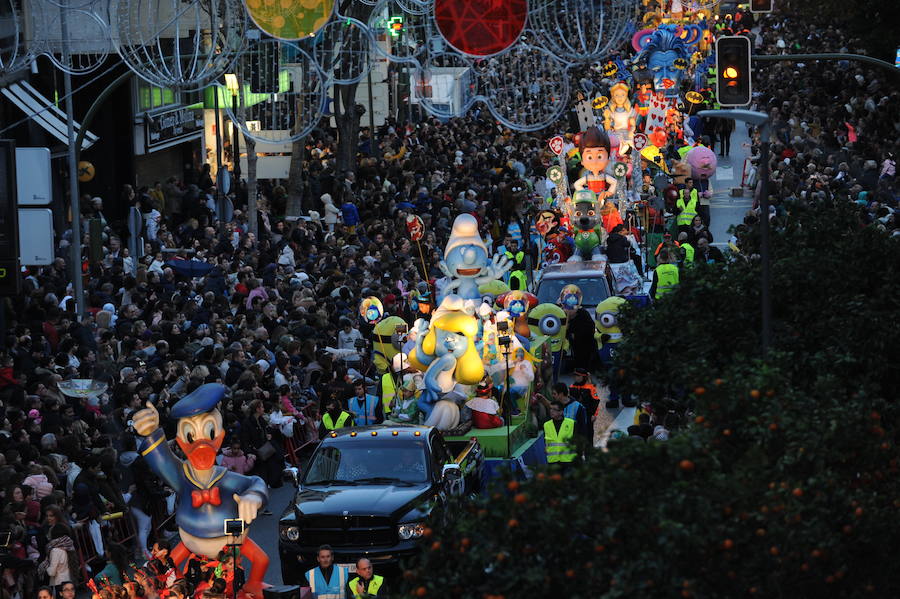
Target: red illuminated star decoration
{"x": 480, "y": 27}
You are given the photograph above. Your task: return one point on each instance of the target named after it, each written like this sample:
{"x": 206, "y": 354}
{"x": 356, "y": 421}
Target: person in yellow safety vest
{"x": 686, "y": 205}
{"x": 665, "y": 277}
{"x": 517, "y": 276}
{"x": 334, "y": 417}
{"x": 559, "y": 437}
{"x": 687, "y": 250}
{"x": 367, "y": 585}
{"x": 388, "y": 391}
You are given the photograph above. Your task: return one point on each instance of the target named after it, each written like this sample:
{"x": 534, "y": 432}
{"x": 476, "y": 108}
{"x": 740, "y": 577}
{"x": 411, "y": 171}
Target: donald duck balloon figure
{"x": 207, "y": 494}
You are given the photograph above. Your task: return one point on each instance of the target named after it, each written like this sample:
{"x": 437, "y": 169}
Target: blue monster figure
{"x": 667, "y": 57}
{"x": 466, "y": 263}
{"x": 446, "y": 352}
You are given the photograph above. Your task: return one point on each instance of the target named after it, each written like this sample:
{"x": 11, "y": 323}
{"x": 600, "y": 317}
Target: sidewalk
{"x": 726, "y": 211}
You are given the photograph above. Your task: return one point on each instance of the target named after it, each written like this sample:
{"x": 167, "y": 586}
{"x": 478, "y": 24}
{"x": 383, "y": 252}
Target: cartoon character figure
{"x": 608, "y": 335}
{"x": 703, "y": 163}
{"x": 589, "y": 235}
{"x": 558, "y": 249}
{"x": 466, "y": 262}
{"x": 446, "y": 352}
{"x": 666, "y": 55}
{"x": 518, "y": 303}
{"x": 386, "y": 341}
{"x": 569, "y": 297}
{"x": 207, "y": 494}
{"x": 619, "y": 117}
{"x": 594, "y": 149}
{"x": 548, "y": 320}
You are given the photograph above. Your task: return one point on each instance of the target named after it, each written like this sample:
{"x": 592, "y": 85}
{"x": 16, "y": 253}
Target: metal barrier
{"x": 119, "y": 530}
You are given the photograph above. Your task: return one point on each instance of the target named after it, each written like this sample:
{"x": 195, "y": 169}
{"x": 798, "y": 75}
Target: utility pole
{"x": 75, "y": 256}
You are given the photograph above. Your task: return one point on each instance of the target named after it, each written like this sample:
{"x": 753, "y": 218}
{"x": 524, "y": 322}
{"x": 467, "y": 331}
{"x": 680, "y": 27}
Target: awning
{"x": 44, "y": 112}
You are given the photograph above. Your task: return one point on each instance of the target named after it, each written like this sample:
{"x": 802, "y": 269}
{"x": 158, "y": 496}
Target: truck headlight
{"x": 411, "y": 530}
{"x": 290, "y": 533}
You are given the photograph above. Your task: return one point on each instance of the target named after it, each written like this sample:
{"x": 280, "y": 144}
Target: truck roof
{"x": 378, "y": 430}
{"x": 593, "y": 268}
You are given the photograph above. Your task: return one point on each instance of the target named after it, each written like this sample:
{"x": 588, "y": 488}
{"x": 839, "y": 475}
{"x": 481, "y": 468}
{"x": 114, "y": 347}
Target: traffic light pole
{"x": 808, "y": 57}
{"x": 75, "y": 249}
{"x": 760, "y": 120}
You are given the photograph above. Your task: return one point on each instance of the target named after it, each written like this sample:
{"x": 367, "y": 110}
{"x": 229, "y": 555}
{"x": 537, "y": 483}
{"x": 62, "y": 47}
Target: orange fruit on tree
{"x": 797, "y": 492}
{"x": 754, "y": 393}
{"x": 421, "y": 592}
{"x": 513, "y": 485}
{"x": 686, "y": 465}
{"x": 520, "y": 497}
{"x": 512, "y": 523}
{"x": 699, "y": 390}
{"x": 727, "y": 544}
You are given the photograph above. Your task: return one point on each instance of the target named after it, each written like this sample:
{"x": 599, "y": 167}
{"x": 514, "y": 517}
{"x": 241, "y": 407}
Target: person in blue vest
{"x": 574, "y": 409}
{"x": 327, "y": 581}
{"x": 365, "y": 407}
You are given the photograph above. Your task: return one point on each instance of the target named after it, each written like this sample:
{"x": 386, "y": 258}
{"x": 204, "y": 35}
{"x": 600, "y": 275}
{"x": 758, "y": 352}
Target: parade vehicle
{"x": 367, "y": 492}
{"x": 592, "y": 277}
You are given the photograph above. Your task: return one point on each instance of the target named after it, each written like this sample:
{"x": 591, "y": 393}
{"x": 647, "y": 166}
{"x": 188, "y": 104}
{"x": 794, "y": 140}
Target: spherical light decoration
{"x": 526, "y": 88}
{"x": 14, "y": 52}
{"x": 580, "y": 31}
{"x": 281, "y": 89}
{"x": 76, "y": 40}
{"x": 441, "y": 84}
{"x": 341, "y": 50}
{"x": 480, "y": 28}
{"x": 290, "y": 19}
{"x": 181, "y": 45}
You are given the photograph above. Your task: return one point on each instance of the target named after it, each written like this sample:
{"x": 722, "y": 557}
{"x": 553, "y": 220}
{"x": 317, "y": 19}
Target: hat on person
{"x": 263, "y": 364}
{"x": 464, "y": 232}
{"x": 581, "y": 371}
{"x": 35, "y": 415}
{"x": 314, "y": 216}
{"x": 207, "y": 341}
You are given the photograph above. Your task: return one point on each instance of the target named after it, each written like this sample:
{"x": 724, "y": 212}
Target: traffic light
{"x": 761, "y": 6}
{"x": 733, "y": 86}
{"x": 395, "y": 26}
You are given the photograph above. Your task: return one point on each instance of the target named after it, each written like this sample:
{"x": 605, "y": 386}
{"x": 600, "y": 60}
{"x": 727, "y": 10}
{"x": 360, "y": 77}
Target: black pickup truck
{"x": 367, "y": 491}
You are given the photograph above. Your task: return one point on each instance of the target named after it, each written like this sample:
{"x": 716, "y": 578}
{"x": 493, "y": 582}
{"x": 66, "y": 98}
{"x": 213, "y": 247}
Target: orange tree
{"x": 783, "y": 481}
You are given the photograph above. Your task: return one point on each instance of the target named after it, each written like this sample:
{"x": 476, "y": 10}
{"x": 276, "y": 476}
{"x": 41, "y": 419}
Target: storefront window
{"x": 151, "y": 97}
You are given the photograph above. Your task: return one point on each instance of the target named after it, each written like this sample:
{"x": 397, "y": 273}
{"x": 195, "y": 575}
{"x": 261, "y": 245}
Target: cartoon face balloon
{"x": 371, "y": 309}
{"x": 570, "y": 297}
{"x": 703, "y": 162}
{"x": 415, "y": 227}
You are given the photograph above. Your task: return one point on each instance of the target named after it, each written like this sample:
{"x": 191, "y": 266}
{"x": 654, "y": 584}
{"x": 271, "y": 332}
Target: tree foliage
{"x": 783, "y": 483}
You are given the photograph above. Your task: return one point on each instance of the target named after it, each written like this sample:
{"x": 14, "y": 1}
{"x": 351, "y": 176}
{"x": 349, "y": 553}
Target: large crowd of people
{"x": 275, "y": 316}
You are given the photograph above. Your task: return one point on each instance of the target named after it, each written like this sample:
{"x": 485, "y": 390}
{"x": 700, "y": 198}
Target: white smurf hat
{"x": 464, "y": 232}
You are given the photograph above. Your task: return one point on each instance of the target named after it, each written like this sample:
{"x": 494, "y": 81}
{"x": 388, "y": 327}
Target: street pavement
{"x": 264, "y": 529}
{"x": 724, "y": 210}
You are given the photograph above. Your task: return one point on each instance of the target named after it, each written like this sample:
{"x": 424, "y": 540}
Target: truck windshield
{"x": 362, "y": 463}
{"x": 593, "y": 289}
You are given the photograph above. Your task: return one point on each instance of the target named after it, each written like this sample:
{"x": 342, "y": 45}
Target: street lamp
{"x": 760, "y": 120}
{"x": 231, "y": 82}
